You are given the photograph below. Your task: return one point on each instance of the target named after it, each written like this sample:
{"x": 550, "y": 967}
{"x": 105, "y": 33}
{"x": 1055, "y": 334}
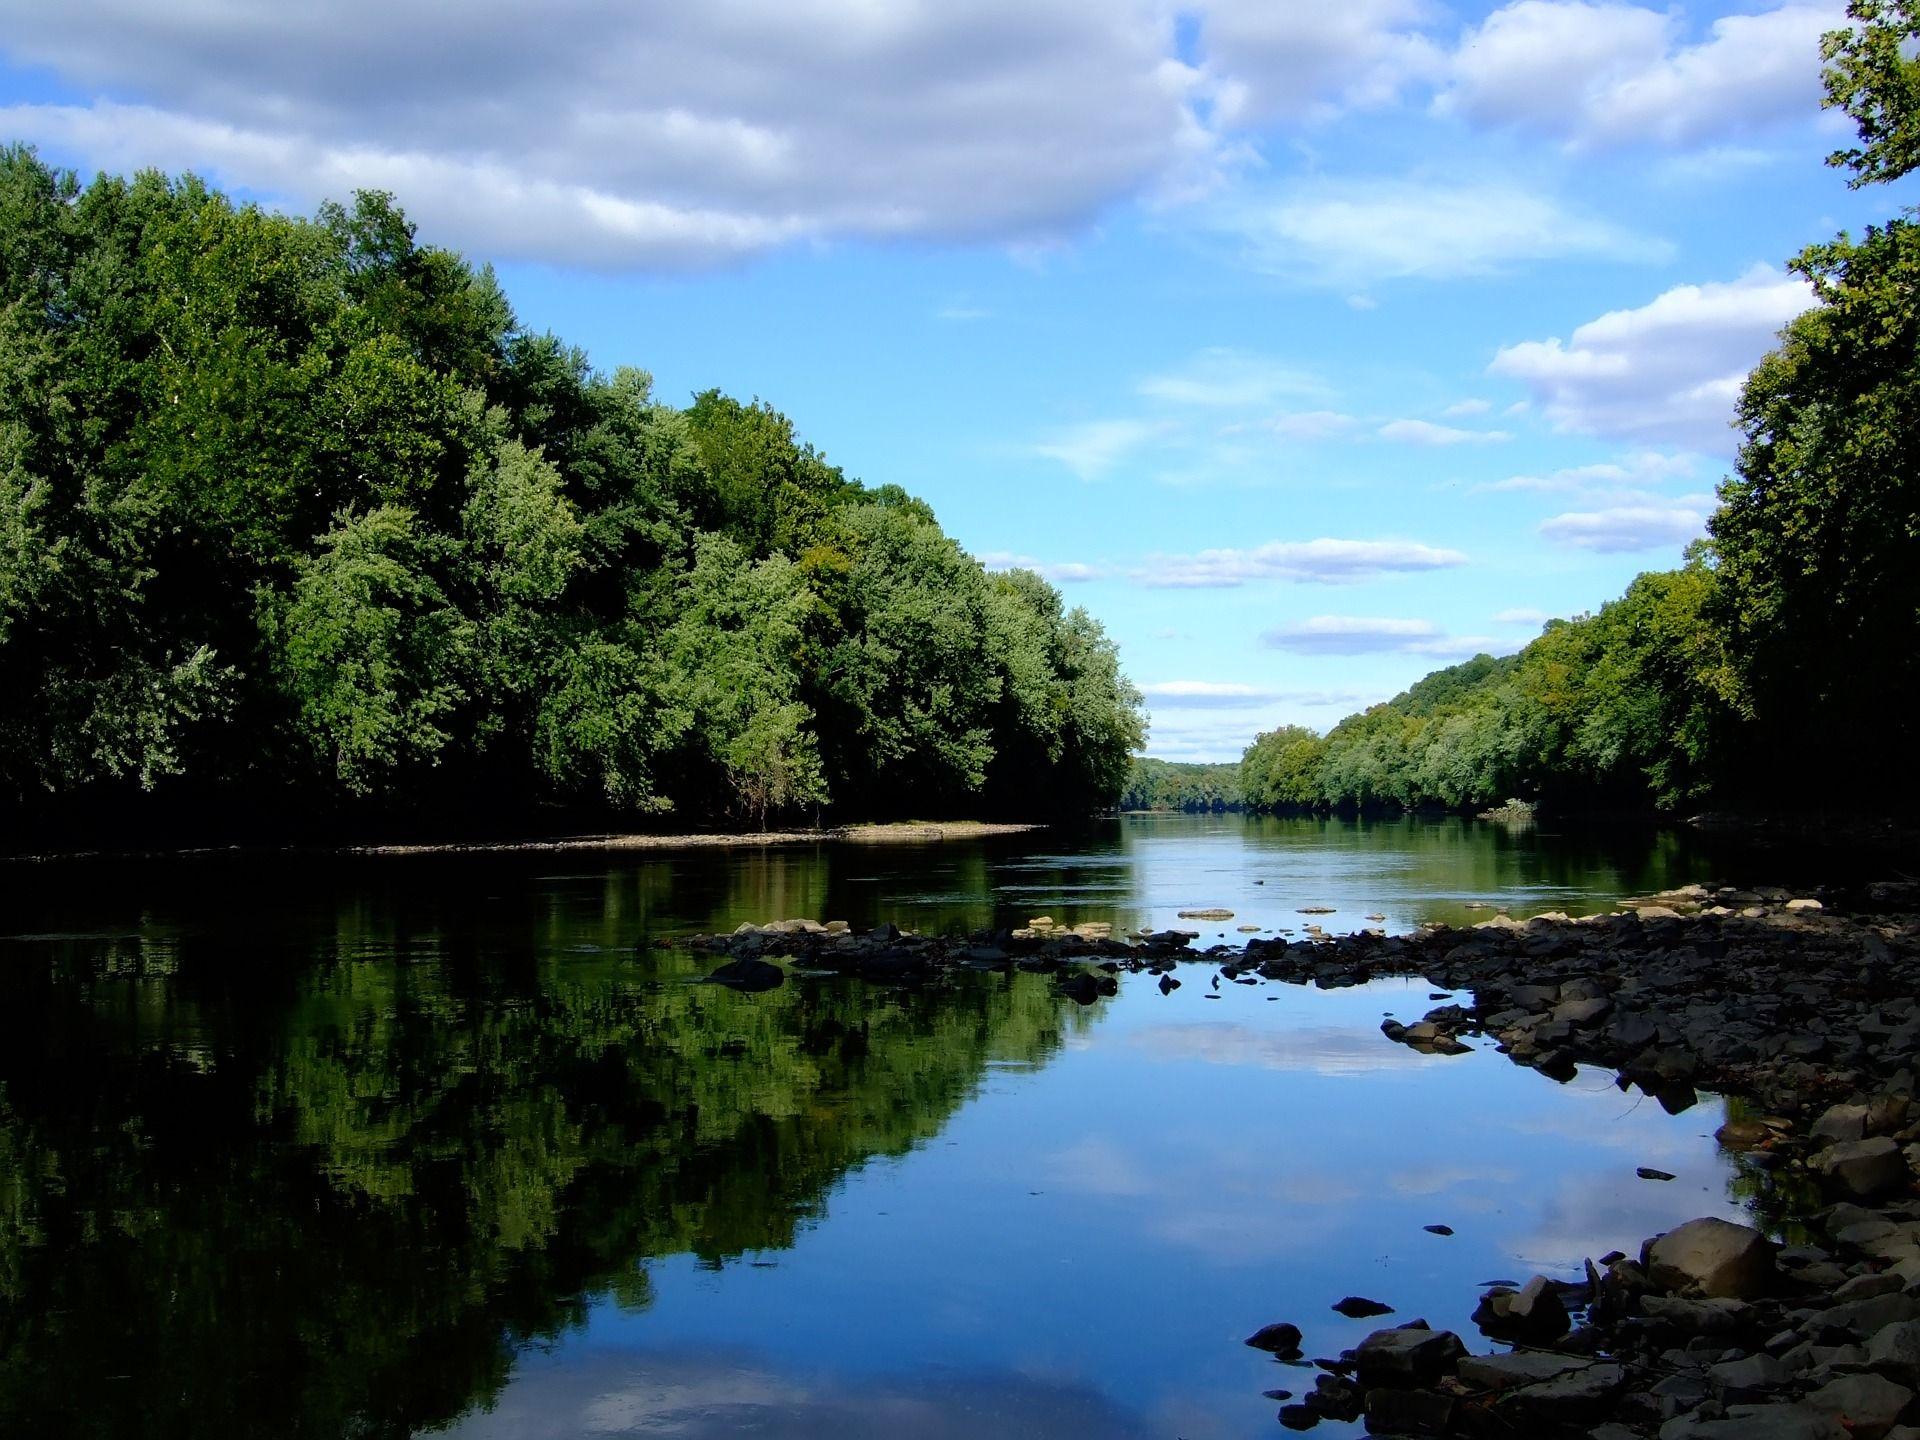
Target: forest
{"x": 298, "y": 521}
{"x": 1777, "y": 669}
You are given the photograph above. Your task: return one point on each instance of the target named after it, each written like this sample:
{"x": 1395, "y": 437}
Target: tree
{"x": 1873, "y": 73}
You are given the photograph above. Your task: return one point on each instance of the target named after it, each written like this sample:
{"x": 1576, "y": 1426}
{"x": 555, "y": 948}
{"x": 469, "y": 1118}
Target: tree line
{"x": 1779, "y": 666}
{"x": 295, "y": 516}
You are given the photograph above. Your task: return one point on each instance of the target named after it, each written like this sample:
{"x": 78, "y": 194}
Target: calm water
{"x": 376, "y": 1147}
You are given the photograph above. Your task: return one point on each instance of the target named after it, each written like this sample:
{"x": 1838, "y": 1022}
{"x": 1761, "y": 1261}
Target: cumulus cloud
{"x": 1363, "y": 635}
{"x": 1624, "y": 529}
{"x": 1461, "y": 409}
{"x": 1271, "y": 61}
{"x": 649, "y": 135}
{"x": 1094, "y": 447}
{"x": 1609, "y": 74}
{"x": 1668, "y": 372}
{"x": 1356, "y": 232}
{"x": 1425, "y": 432}
{"x": 1322, "y": 562}
{"x": 1521, "y": 615}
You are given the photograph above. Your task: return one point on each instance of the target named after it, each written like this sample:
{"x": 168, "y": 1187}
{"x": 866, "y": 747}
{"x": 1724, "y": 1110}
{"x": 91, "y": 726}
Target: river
{"x": 310, "y": 1146}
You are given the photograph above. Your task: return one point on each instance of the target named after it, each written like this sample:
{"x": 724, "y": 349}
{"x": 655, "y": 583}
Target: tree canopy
{"x": 295, "y": 514}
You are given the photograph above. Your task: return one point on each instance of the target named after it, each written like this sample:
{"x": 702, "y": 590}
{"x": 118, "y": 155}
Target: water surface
{"x": 292, "y": 1147}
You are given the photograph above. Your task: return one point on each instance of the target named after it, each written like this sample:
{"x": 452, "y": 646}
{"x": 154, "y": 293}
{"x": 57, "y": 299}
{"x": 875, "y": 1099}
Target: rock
{"x": 1316, "y": 910}
{"x": 1408, "y": 1356}
{"x": 1438, "y": 1229}
{"x": 1866, "y": 1405}
{"x": 1575, "y": 1395}
{"x": 1712, "y": 1257}
{"x": 1864, "y": 1169}
{"x": 1277, "y": 1339}
{"x": 1647, "y": 1172}
{"x": 1298, "y": 1417}
{"x": 1168, "y": 984}
{"x": 748, "y": 974}
{"x": 1533, "y": 1314}
{"x": 1753, "y": 1377}
{"x": 1756, "y": 1422}
{"x": 1805, "y": 904}
{"x": 1357, "y": 1307}
{"x": 1894, "y": 1351}
{"x": 1840, "y": 1123}
{"x": 1519, "y": 1367}
{"x": 1408, "y": 1412}
{"x": 1213, "y": 914}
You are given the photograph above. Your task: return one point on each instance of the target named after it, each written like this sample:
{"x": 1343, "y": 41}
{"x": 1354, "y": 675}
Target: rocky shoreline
{"x": 1805, "y": 1008}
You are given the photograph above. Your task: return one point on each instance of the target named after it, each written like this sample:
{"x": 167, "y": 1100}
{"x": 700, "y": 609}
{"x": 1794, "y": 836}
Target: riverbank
{"x": 893, "y": 832}
{"x": 1801, "y": 1006}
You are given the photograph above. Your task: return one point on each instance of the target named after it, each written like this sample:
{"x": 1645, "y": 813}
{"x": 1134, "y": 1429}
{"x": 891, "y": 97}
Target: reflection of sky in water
{"x": 1082, "y": 1249}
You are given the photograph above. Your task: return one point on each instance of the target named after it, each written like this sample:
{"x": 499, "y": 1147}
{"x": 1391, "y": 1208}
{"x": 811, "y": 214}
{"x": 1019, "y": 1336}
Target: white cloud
{"x": 1323, "y": 562}
{"x": 1363, "y": 635}
{"x": 1277, "y": 61}
{"x": 1347, "y": 233}
{"x": 1461, "y": 409}
{"x": 1521, "y": 615}
{"x": 1093, "y": 448}
{"x": 1624, "y": 529}
{"x": 1312, "y": 424}
{"x": 1666, "y": 373}
{"x": 1223, "y": 378}
{"x": 1206, "y": 695}
{"x": 1425, "y": 432}
{"x": 1609, "y": 74}
{"x": 1639, "y": 469}
{"x": 1061, "y": 572}
{"x": 642, "y": 135}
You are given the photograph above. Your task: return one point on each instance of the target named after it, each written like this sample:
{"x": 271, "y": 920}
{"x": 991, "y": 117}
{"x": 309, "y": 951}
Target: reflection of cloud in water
{"x": 701, "y": 1396}
{"x": 1097, "y": 1167}
{"x": 1434, "y": 1179}
{"x": 1584, "y": 1217}
{"x": 1321, "y": 1049}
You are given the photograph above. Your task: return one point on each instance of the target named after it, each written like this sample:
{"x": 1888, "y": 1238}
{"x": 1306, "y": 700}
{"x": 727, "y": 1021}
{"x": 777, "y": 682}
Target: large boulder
{"x": 1408, "y": 1355}
{"x": 1712, "y": 1257}
{"x": 1867, "y": 1405}
{"x": 1864, "y": 1169}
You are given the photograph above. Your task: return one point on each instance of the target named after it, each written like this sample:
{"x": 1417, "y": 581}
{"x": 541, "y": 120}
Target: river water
{"x": 387, "y": 1146}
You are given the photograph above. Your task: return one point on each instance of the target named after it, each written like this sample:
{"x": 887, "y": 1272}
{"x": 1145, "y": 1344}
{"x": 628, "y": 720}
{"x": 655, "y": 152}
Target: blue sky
{"x": 1308, "y": 347}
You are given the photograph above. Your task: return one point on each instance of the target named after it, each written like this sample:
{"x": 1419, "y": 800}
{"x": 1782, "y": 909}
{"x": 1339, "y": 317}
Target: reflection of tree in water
{"x": 1780, "y": 1201}
{"x": 246, "y": 1199}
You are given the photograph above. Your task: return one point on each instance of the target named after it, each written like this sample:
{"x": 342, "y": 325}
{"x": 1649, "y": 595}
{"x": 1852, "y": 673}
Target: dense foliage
{"x": 1780, "y": 666}
{"x": 296, "y": 510}
{"x": 1179, "y": 785}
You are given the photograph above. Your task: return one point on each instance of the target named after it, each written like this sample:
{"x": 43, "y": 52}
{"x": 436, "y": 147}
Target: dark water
{"x": 374, "y": 1147}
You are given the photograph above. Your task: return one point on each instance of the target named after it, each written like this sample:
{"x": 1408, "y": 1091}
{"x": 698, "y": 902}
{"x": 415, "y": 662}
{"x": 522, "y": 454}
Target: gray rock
{"x": 1864, "y": 1169}
{"x": 1747, "y": 1379}
{"x": 1714, "y": 1258}
{"x": 1409, "y": 1355}
{"x": 1278, "y": 1339}
{"x": 1757, "y": 1422}
{"x": 1408, "y": 1412}
{"x": 1521, "y": 1367}
{"x": 1894, "y": 1351}
{"x": 1867, "y": 1405}
{"x": 1841, "y": 1123}
{"x": 1576, "y": 1395}
{"x": 1861, "y": 1318}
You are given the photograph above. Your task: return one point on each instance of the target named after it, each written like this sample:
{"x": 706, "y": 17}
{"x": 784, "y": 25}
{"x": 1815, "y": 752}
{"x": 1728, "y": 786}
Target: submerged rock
{"x": 748, "y": 974}
{"x": 1358, "y": 1307}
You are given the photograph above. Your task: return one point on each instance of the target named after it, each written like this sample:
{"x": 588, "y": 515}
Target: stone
{"x": 1576, "y": 1395}
{"x": 1533, "y": 1313}
{"x": 1277, "y": 1339}
{"x": 1518, "y": 1367}
{"x": 1866, "y": 1405}
{"x": 1864, "y": 1169}
{"x": 1894, "y": 1351}
{"x": 1358, "y": 1307}
{"x": 1749, "y": 1378}
{"x": 1408, "y": 1412}
{"x": 1841, "y": 1122}
{"x": 1756, "y": 1422}
{"x": 1407, "y": 1356}
{"x": 1714, "y": 1258}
